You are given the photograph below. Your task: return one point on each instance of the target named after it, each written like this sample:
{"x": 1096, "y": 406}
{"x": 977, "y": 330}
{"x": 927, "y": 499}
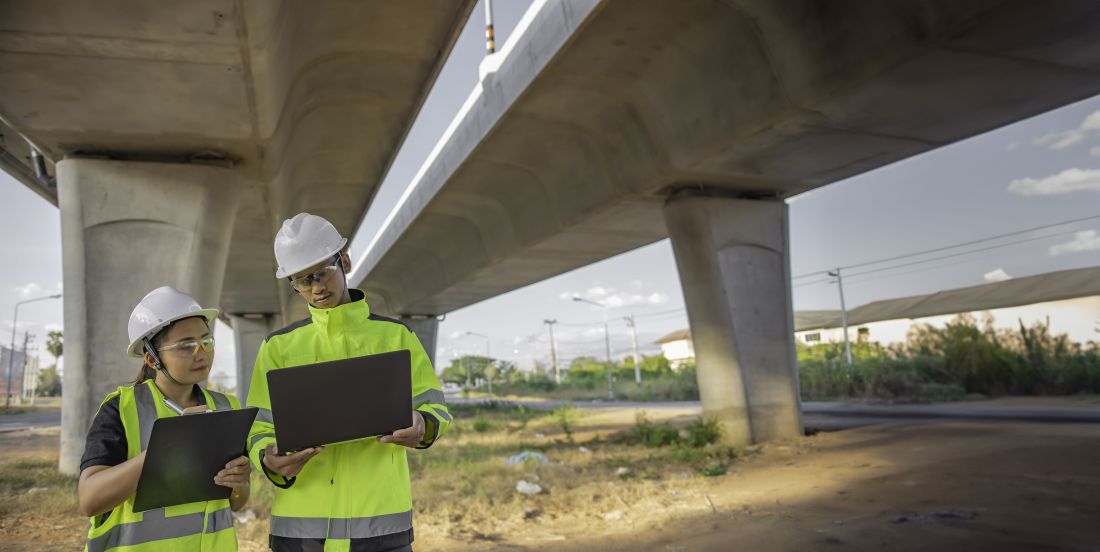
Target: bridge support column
{"x": 732, "y": 256}
{"x": 248, "y": 333}
{"x": 426, "y": 329}
{"x": 127, "y": 228}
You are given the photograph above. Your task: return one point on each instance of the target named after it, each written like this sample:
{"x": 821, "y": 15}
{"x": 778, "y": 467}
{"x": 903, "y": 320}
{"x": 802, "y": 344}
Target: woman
{"x": 174, "y": 336}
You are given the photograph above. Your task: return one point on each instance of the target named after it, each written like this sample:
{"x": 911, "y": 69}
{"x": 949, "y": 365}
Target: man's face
{"x": 325, "y": 283}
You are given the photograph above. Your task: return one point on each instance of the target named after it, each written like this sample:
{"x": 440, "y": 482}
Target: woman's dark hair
{"x": 148, "y": 372}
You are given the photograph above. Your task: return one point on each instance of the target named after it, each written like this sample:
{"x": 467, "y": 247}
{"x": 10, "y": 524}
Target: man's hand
{"x": 288, "y": 466}
{"x": 235, "y": 475}
{"x": 408, "y": 437}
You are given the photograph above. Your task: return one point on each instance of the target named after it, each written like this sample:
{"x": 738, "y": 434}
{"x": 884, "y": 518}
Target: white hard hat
{"x": 158, "y": 309}
{"x": 304, "y": 241}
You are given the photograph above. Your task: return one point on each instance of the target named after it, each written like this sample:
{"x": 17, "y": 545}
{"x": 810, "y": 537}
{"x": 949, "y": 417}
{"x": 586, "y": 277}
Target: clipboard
{"x": 186, "y": 452}
{"x": 341, "y": 400}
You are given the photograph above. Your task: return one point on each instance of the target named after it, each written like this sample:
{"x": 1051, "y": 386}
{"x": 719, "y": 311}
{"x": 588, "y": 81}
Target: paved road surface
{"x": 42, "y": 418}
{"x": 816, "y": 415}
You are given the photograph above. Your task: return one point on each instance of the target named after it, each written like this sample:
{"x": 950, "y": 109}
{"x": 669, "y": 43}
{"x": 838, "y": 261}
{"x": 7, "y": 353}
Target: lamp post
{"x": 606, "y": 343}
{"x": 11, "y": 352}
{"x": 488, "y": 357}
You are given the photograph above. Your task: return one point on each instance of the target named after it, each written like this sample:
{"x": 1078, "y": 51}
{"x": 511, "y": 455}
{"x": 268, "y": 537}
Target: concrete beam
{"x": 127, "y": 228}
{"x": 733, "y": 259}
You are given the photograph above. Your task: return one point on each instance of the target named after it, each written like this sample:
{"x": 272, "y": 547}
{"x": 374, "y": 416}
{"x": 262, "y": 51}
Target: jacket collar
{"x": 339, "y": 317}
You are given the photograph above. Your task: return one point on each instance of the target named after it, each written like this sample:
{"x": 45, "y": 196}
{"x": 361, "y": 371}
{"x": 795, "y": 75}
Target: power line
{"x": 958, "y": 245}
{"x": 870, "y": 271}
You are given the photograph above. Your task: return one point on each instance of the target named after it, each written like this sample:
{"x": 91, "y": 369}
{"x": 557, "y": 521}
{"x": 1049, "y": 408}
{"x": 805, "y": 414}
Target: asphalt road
{"x": 42, "y": 418}
{"x": 817, "y": 416}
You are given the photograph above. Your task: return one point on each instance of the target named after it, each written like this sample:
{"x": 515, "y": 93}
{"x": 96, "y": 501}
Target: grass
{"x": 462, "y": 486}
{"x": 34, "y": 485}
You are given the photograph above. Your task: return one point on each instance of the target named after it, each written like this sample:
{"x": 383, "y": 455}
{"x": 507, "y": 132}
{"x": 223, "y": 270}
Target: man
{"x": 350, "y": 496}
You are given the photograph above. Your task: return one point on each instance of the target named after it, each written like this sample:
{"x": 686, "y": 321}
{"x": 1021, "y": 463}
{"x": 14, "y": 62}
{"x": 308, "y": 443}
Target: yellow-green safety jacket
{"x": 353, "y": 490}
{"x": 198, "y": 526}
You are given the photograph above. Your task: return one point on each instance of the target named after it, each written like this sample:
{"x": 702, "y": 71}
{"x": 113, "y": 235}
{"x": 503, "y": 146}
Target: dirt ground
{"x": 933, "y": 486}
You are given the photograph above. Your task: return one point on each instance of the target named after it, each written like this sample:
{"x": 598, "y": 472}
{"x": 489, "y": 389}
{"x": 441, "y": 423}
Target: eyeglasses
{"x": 306, "y": 282}
{"x": 191, "y": 346}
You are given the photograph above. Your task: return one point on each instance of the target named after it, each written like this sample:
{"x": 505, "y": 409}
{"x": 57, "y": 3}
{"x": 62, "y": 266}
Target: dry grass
{"x": 37, "y": 504}
{"x": 463, "y": 489}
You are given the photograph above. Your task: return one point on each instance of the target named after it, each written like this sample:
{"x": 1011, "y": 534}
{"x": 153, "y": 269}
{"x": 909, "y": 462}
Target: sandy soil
{"x": 935, "y": 486}
{"x": 940, "y": 486}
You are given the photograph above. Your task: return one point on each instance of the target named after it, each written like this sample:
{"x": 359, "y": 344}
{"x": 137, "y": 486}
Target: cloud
{"x": 1012, "y": 145}
{"x": 1086, "y": 240}
{"x": 1092, "y": 122}
{"x": 29, "y": 290}
{"x": 1065, "y": 182}
{"x": 1089, "y": 127}
{"x": 614, "y": 298}
{"x": 998, "y": 275}
{"x": 1095, "y": 152}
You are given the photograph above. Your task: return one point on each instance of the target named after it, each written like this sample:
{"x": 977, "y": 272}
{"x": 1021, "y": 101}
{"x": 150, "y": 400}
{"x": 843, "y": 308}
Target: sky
{"x": 1039, "y": 172}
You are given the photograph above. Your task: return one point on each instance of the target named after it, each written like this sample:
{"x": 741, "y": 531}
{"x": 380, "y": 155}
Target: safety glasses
{"x": 190, "y": 347}
{"x": 306, "y": 282}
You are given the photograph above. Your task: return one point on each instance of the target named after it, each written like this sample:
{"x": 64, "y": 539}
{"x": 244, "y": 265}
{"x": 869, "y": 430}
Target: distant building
{"x": 16, "y": 376}
{"x": 1068, "y": 299}
{"x": 677, "y": 348}
{"x": 30, "y": 376}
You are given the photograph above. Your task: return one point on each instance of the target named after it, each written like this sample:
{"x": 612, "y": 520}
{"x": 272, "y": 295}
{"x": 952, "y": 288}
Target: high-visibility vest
{"x": 351, "y": 490}
{"x": 197, "y": 526}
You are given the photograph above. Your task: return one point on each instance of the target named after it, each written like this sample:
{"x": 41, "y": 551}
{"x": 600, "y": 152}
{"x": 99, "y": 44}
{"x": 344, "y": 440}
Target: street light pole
{"x": 606, "y": 342}
{"x": 488, "y": 357}
{"x": 11, "y": 352}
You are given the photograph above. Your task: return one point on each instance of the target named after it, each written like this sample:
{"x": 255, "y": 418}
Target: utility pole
{"x": 26, "y": 340}
{"x": 843, "y": 317}
{"x": 606, "y": 343}
{"x": 634, "y": 344}
{"x": 554, "y": 351}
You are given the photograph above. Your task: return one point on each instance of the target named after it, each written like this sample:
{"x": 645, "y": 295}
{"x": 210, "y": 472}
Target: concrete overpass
{"x": 609, "y": 125}
{"x": 177, "y": 136}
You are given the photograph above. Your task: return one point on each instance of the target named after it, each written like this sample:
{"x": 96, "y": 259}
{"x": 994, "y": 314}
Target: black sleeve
{"x": 106, "y": 443}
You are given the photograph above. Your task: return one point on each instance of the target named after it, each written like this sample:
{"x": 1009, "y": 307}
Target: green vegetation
{"x": 963, "y": 359}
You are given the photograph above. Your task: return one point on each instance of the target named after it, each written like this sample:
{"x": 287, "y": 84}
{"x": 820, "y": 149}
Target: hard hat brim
{"x": 282, "y": 272}
{"x": 137, "y": 348}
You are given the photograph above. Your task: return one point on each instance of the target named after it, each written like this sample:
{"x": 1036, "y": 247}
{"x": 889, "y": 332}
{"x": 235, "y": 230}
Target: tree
{"x": 49, "y": 382}
{"x": 55, "y": 345}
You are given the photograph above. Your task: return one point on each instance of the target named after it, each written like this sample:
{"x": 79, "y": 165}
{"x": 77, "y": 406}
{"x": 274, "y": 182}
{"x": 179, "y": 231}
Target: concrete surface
{"x": 569, "y": 150}
{"x": 126, "y": 229}
{"x": 732, "y": 258}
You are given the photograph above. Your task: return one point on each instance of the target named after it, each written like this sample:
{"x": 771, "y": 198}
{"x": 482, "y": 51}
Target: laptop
{"x": 186, "y": 452}
{"x": 341, "y": 400}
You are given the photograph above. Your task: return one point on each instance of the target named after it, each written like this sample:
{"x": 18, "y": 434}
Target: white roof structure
{"x": 1041, "y": 288}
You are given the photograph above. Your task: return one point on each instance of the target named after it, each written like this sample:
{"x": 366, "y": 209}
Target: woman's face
{"x": 181, "y": 350}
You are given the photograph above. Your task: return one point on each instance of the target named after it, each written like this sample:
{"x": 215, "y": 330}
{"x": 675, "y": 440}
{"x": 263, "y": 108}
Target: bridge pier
{"x": 732, "y": 255}
{"x": 127, "y": 228}
{"x": 426, "y": 329}
{"x": 249, "y": 332}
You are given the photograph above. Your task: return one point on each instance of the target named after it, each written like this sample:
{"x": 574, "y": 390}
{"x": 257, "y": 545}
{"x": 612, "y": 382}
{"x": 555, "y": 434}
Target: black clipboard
{"x": 186, "y": 452}
{"x": 341, "y": 400}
